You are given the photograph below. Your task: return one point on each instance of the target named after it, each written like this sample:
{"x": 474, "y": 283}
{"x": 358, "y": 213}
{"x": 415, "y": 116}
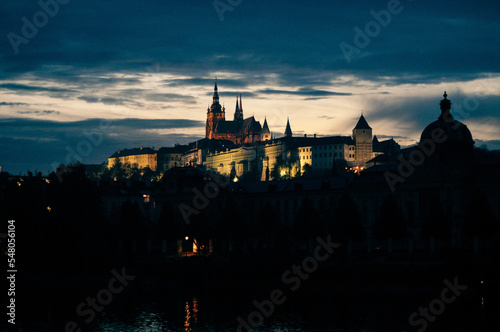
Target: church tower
{"x": 288, "y": 130}
{"x": 215, "y": 113}
{"x": 238, "y": 113}
{"x": 266, "y": 133}
{"x": 362, "y": 135}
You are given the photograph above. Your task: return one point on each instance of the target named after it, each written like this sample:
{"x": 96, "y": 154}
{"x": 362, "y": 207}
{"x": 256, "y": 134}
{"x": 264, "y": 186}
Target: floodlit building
{"x": 242, "y": 147}
{"x": 139, "y": 157}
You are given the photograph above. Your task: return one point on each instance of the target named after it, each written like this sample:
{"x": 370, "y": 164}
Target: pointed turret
{"x": 266, "y": 133}
{"x": 362, "y": 124}
{"x": 375, "y": 139}
{"x": 288, "y": 130}
{"x": 238, "y": 113}
{"x": 215, "y": 113}
{"x": 216, "y": 107}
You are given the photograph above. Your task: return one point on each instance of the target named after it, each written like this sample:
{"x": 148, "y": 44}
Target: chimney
{"x": 314, "y": 135}
{"x": 305, "y": 135}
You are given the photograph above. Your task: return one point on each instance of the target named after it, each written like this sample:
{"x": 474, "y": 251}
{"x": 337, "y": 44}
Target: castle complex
{"x": 244, "y": 147}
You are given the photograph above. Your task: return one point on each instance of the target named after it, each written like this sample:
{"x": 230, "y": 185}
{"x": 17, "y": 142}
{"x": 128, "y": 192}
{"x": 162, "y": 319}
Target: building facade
{"x": 139, "y": 157}
{"x": 238, "y": 131}
{"x": 362, "y": 135}
{"x": 243, "y": 146}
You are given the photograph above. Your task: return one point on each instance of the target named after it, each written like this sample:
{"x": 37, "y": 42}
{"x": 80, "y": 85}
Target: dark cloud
{"x": 92, "y": 47}
{"x": 45, "y": 142}
{"x": 204, "y": 82}
{"x": 170, "y": 97}
{"x": 22, "y": 89}
{"x": 89, "y": 99}
{"x": 189, "y": 38}
{"x": 30, "y": 88}
{"x": 39, "y": 113}
{"x": 3, "y": 103}
{"x": 232, "y": 94}
{"x": 32, "y": 125}
{"x": 304, "y": 92}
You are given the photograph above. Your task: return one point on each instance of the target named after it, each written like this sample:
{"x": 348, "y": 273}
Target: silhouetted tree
{"x": 76, "y": 224}
{"x": 281, "y": 170}
{"x": 117, "y": 170}
{"x": 306, "y": 169}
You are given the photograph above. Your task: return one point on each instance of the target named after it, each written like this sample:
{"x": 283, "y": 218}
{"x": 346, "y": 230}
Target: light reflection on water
{"x": 191, "y": 320}
{"x": 192, "y": 314}
{"x": 148, "y": 320}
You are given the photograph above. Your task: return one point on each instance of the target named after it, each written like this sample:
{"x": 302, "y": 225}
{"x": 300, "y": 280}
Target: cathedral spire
{"x": 288, "y": 130}
{"x": 265, "y": 127}
{"x": 216, "y": 107}
{"x": 238, "y": 113}
{"x": 216, "y": 93}
{"x": 241, "y": 105}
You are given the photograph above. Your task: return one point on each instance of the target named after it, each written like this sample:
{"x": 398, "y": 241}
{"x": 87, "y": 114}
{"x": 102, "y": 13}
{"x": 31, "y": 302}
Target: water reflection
{"x": 191, "y": 315}
{"x": 179, "y": 313}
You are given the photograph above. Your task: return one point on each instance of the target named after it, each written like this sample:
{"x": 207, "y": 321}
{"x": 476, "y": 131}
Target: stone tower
{"x": 266, "y": 133}
{"x": 215, "y": 113}
{"x": 362, "y": 135}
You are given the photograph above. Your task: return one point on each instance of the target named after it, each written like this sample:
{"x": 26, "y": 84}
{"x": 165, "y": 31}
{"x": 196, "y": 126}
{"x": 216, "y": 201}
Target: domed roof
{"x": 455, "y": 132}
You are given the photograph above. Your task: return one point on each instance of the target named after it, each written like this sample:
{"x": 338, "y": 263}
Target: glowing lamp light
{"x": 49, "y": 208}
{"x": 283, "y": 171}
{"x": 186, "y": 238}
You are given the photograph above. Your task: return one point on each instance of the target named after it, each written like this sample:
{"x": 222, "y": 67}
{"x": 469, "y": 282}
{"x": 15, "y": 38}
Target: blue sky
{"x": 148, "y": 68}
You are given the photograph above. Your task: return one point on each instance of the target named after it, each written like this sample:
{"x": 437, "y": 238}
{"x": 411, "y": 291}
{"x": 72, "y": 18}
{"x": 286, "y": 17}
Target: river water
{"x": 323, "y": 302}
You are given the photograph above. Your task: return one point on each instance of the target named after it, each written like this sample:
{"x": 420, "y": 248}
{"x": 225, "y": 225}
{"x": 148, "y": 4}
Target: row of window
{"x": 326, "y": 147}
{"x": 329, "y": 164}
{"x": 321, "y": 155}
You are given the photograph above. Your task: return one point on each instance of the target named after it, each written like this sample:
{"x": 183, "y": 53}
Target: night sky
{"x": 149, "y": 67}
